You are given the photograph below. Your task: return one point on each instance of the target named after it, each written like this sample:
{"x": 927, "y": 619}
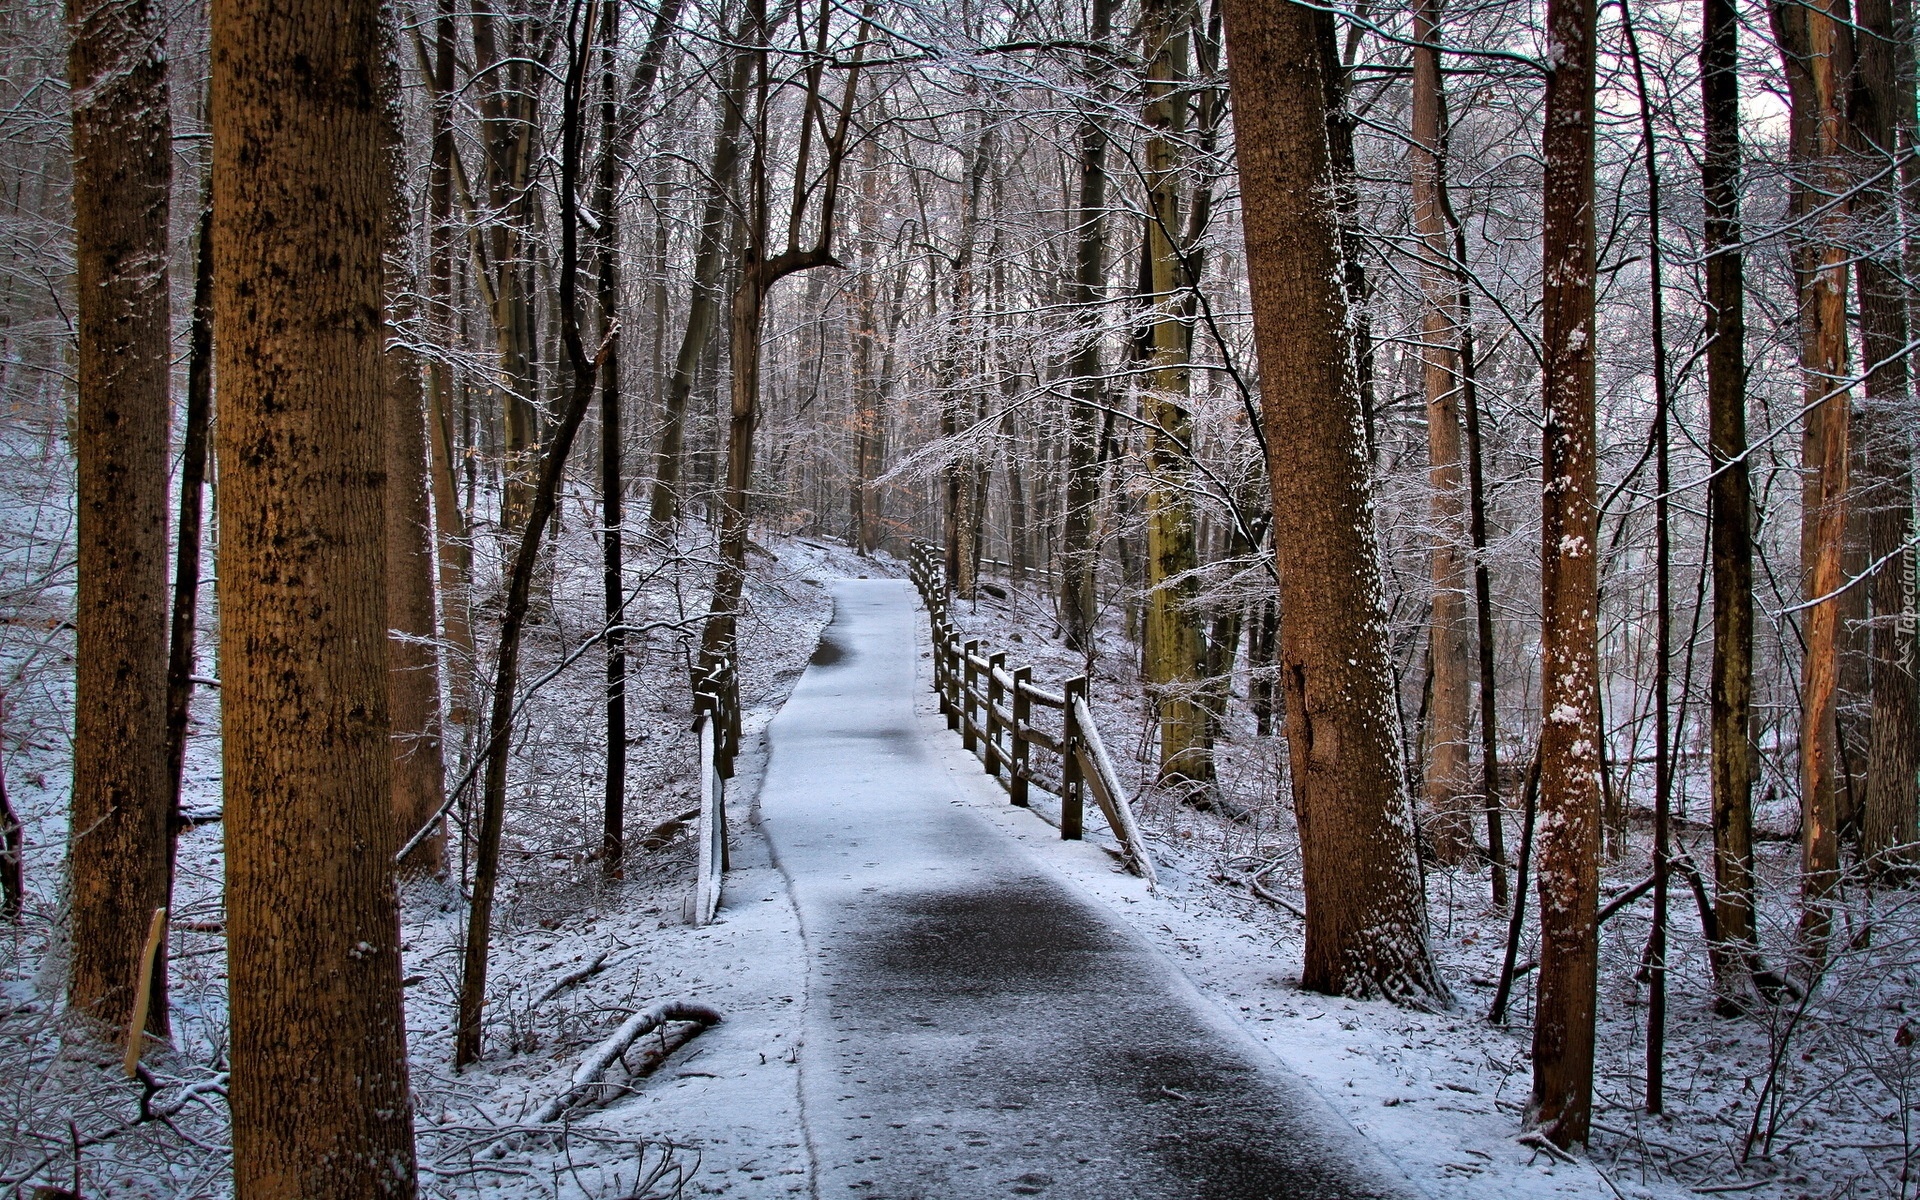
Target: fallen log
{"x": 593, "y": 1066}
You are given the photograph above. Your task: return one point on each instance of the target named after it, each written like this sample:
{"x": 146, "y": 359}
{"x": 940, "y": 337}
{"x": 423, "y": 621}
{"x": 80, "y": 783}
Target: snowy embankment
{"x": 719, "y": 1118}
{"x": 1444, "y": 1093}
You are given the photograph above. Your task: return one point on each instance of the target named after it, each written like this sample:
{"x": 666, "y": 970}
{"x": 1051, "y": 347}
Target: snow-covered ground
{"x": 1835, "y": 1080}
{"x": 1444, "y": 1092}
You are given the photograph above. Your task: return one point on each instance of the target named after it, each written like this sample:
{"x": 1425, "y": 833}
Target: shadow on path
{"x": 975, "y": 1027}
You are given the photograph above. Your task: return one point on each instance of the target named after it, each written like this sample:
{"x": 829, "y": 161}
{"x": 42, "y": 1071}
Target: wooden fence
{"x": 1003, "y": 716}
{"x": 716, "y": 722}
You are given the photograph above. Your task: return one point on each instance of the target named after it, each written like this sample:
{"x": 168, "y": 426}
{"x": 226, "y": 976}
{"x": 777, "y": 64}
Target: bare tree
{"x": 1366, "y": 920}
{"x": 1730, "y": 496}
{"x": 300, "y": 173}
{"x": 1816, "y": 49}
{"x": 122, "y": 173}
{"x": 1448, "y": 775}
{"x": 1571, "y": 734}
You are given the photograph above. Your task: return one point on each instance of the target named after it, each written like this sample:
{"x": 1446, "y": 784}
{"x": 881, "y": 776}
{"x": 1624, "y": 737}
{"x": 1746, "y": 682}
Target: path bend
{"x": 975, "y": 1026}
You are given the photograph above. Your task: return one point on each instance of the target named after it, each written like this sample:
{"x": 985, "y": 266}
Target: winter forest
{"x": 606, "y": 599}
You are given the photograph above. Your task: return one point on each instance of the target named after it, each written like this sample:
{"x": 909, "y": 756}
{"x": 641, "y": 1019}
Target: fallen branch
{"x": 594, "y": 1065}
{"x": 566, "y": 981}
{"x": 1254, "y": 885}
{"x": 667, "y": 830}
{"x": 1533, "y": 1139}
{"x": 1623, "y": 899}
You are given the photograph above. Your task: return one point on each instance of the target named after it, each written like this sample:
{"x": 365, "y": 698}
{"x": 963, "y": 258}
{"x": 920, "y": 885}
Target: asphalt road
{"x": 976, "y": 1026}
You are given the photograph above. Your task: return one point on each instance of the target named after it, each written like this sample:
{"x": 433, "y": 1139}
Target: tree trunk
{"x": 312, "y": 919}
{"x": 1887, "y": 828}
{"x": 1482, "y": 571}
{"x": 1175, "y": 649}
{"x": 454, "y": 548}
{"x": 186, "y": 570}
{"x": 1730, "y": 504}
{"x": 585, "y": 371}
{"x": 613, "y": 573}
{"x": 122, "y": 172}
{"x": 963, "y": 474}
{"x": 1815, "y": 47}
{"x": 413, "y": 661}
{"x": 506, "y": 110}
{"x": 1448, "y": 773}
{"x": 759, "y": 271}
{"x": 1079, "y": 555}
{"x": 1571, "y": 753}
{"x": 1366, "y": 917}
{"x": 709, "y": 260}
{"x": 868, "y": 422}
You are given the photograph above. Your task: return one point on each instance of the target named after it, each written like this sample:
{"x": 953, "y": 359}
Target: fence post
{"x": 996, "y": 665}
{"x": 1073, "y": 789}
{"x": 969, "y": 677}
{"x": 949, "y": 679}
{"x": 1022, "y": 716}
{"x": 934, "y": 637}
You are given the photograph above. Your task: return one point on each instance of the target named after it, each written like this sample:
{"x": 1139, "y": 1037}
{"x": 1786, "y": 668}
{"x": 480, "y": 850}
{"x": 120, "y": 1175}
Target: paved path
{"x": 975, "y": 1026}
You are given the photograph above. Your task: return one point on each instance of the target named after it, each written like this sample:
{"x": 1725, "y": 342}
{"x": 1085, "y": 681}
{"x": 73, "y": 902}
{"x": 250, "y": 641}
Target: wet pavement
{"x": 975, "y": 1026}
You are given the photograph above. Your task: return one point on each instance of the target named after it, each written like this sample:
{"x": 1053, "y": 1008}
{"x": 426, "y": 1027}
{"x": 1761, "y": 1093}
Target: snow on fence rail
{"x": 992, "y": 708}
{"x": 716, "y": 703}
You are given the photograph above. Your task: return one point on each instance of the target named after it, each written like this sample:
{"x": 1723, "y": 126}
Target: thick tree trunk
{"x": 1730, "y": 503}
{"x": 1366, "y": 917}
{"x": 1448, "y": 773}
{"x": 312, "y": 919}
{"x": 1816, "y": 50}
{"x": 1887, "y": 828}
{"x": 1175, "y": 649}
{"x": 122, "y": 172}
{"x": 1571, "y": 753}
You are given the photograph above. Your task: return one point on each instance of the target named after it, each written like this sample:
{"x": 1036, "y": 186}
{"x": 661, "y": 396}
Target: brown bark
{"x": 452, "y": 544}
{"x": 122, "y": 170}
{"x": 1366, "y": 918}
{"x": 299, "y": 183}
{"x": 1079, "y": 558}
{"x": 1888, "y": 825}
{"x": 1175, "y": 657}
{"x": 1448, "y": 773}
{"x": 1730, "y": 502}
{"x": 1571, "y": 736}
{"x": 1816, "y": 50}
{"x": 413, "y": 660}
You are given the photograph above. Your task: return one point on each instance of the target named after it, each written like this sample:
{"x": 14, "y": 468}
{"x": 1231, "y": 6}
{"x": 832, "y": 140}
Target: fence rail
{"x": 716, "y": 722}
{"x": 994, "y": 710}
